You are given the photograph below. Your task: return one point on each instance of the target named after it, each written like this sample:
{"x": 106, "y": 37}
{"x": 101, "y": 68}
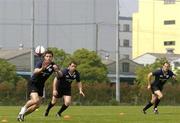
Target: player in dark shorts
{"x": 43, "y": 69}
{"x": 161, "y": 76}
{"x": 62, "y": 88}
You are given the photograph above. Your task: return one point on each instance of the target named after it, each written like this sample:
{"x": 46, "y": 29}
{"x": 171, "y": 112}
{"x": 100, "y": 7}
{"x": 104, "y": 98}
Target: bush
{"x": 96, "y": 94}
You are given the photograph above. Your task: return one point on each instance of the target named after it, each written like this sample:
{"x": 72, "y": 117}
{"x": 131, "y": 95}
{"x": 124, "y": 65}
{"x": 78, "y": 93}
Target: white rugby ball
{"x": 39, "y": 50}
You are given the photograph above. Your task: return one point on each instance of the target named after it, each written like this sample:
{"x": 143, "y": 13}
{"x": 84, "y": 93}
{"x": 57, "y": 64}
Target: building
{"x": 125, "y": 37}
{"x": 21, "y": 58}
{"x": 126, "y": 70}
{"x": 156, "y": 27}
{"x": 150, "y": 58}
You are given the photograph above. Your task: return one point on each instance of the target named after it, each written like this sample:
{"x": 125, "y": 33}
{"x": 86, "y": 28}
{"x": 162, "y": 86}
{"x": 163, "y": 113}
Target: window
{"x": 125, "y": 67}
{"x": 169, "y": 43}
{"x": 176, "y": 64}
{"x": 170, "y": 50}
{"x": 169, "y": 22}
{"x": 126, "y": 28}
{"x": 126, "y": 43}
{"x": 126, "y": 56}
{"x": 169, "y": 1}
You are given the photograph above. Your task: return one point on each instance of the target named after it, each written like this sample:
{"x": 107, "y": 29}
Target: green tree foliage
{"x": 8, "y": 79}
{"x": 90, "y": 66}
{"x": 142, "y": 72}
{"x": 8, "y": 72}
{"x": 60, "y": 56}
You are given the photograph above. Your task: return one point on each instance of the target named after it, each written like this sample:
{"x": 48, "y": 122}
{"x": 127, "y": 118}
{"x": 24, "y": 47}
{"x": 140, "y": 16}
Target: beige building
{"x": 127, "y": 69}
{"x": 156, "y": 27}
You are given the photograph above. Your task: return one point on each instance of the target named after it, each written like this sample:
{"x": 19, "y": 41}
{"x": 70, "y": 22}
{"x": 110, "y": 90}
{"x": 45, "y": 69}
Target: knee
{"x": 67, "y": 103}
{"x": 53, "y": 102}
{"x": 160, "y": 96}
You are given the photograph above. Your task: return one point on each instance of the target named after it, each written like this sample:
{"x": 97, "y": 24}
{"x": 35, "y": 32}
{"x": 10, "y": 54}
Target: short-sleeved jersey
{"x": 65, "y": 81}
{"x": 161, "y": 78}
{"x": 42, "y": 77}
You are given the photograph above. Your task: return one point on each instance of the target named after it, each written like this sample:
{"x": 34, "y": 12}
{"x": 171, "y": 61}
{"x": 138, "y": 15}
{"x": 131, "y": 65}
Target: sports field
{"x": 95, "y": 114}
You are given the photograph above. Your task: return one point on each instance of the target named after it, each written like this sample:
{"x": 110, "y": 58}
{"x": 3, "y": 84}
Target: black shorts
{"x": 63, "y": 92}
{"x": 35, "y": 87}
{"x": 155, "y": 88}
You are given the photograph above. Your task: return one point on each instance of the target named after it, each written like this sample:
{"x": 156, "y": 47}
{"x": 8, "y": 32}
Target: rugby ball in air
{"x": 39, "y": 50}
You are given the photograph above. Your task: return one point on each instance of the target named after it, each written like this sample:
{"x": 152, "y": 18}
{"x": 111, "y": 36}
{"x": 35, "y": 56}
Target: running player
{"x": 161, "y": 76}
{"x": 62, "y": 88}
{"x": 43, "y": 69}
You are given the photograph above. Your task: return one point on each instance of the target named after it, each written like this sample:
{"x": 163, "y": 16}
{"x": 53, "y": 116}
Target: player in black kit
{"x": 161, "y": 76}
{"x": 62, "y": 88}
{"x": 43, "y": 69}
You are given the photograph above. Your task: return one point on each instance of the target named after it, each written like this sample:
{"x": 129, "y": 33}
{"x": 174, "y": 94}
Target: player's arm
{"x": 174, "y": 77}
{"x": 149, "y": 79}
{"x": 80, "y": 89}
{"x": 39, "y": 68}
{"x": 55, "y": 81}
{"x": 57, "y": 71}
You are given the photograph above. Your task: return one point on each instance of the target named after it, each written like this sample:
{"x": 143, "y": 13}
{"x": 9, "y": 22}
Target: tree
{"x": 90, "y": 66}
{"x": 60, "y": 56}
{"x": 8, "y": 72}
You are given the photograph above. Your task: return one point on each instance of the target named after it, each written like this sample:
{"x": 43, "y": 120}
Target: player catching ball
{"x": 43, "y": 69}
{"x": 161, "y": 76}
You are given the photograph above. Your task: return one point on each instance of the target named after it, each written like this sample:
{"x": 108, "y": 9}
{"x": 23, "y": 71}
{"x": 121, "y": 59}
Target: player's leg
{"x": 67, "y": 102}
{"x": 157, "y": 101}
{"x": 34, "y": 99}
{"x": 37, "y": 102}
{"x": 50, "y": 105}
{"x": 150, "y": 103}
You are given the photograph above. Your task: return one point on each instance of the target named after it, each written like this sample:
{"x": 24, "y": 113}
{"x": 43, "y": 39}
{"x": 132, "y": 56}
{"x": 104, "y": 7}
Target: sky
{"x": 128, "y": 7}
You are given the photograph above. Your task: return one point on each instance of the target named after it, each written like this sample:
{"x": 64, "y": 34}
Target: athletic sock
{"x": 64, "y": 107}
{"x": 23, "y": 110}
{"x": 147, "y": 106}
{"x": 156, "y": 103}
{"x": 50, "y": 105}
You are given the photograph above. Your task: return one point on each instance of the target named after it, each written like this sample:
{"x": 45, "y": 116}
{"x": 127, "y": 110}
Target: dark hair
{"x": 166, "y": 62}
{"x": 48, "y": 52}
{"x": 73, "y": 62}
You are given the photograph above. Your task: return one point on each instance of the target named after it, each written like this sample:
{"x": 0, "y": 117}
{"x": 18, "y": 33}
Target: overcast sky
{"x": 128, "y": 7}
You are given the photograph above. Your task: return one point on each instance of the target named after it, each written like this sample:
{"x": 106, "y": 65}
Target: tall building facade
{"x": 156, "y": 27}
{"x": 125, "y": 37}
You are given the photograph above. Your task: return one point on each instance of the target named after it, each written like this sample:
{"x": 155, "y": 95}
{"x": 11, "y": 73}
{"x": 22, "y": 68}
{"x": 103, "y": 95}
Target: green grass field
{"x": 95, "y": 114}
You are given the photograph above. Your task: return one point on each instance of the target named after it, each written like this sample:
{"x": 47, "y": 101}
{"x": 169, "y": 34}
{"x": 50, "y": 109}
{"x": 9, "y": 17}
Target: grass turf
{"x": 95, "y": 114}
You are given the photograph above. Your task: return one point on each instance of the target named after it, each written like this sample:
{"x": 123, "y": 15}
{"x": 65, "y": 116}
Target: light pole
{"x": 47, "y": 38}
{"x": 117, "y": 53}
{"x": 32, "y": 36}
{"x": 97, "y": 36}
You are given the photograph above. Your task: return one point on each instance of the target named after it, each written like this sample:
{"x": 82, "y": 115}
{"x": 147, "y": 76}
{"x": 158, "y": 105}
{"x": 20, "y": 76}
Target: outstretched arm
{"x": 174, "y": 77}
{"x": 149, "y": 80}
{"x": 80, "y": 89}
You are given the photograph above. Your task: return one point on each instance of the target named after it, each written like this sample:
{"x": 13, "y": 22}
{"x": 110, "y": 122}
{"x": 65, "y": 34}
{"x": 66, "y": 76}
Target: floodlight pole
{"x": 117, "y": 53}
{"x": 32, "y": 35}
